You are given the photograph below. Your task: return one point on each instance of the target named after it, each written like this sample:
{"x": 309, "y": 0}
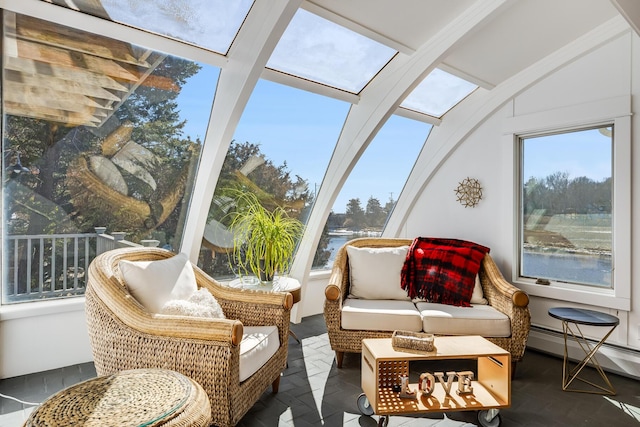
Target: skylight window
{"x": 316, "y": 49}
{"x": 438, "y": 93}
{"x": 212, "y": 24}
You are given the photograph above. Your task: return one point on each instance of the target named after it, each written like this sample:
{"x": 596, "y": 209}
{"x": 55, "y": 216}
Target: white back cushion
{"x": 154, "y": 283}
{"x": 375, "y": 272}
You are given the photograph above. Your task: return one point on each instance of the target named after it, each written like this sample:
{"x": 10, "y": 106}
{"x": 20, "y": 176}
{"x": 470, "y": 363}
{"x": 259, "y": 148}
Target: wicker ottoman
{"x": 149, "y": 397}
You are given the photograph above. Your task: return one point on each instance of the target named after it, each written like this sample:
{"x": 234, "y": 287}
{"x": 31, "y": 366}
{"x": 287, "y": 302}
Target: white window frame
{"x": 616, "y": 111}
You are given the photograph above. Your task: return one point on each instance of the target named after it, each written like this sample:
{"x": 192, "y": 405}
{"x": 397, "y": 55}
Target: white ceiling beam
{"x": 354, "y": 26}
{"x": 466, "y": 76}
{"x": 309, "y": 86}
{"x": 630, "y": 10}
{"x": 463, "y": 119}
{"x": 92, "y": 24}
{"x": 378, "y": 101}
{"x": 249, "y": 53}
{"x": 415, "y": 115}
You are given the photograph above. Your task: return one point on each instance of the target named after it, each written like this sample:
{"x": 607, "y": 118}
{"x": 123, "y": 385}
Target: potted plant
{"x": 264, "y": 241}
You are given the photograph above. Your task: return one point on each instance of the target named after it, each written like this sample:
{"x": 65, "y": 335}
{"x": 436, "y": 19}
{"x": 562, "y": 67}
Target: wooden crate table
{"x": 382, "y": 366}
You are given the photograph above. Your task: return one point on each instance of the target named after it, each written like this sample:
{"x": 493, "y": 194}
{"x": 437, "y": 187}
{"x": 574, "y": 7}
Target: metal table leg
{"x": 569, "y": 375}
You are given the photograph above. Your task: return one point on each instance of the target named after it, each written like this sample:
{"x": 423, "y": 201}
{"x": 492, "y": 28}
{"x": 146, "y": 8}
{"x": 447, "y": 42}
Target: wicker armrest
{"x": 131, "y": 313}
{"x": 333, "y": 291}
{"x": 495, "y": 280}
{"x": 251, "y": 307}
{"x": 513, "y": 302}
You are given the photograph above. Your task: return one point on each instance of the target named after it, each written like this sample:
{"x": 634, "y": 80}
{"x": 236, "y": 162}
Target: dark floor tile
{"x": 313, "y": 392}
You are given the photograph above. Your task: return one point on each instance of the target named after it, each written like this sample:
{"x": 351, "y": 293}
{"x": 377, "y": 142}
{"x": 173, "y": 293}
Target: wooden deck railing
{"x": 44, "y": 266}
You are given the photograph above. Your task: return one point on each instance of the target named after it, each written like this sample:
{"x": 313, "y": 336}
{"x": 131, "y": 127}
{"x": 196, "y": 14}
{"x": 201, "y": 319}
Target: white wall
{"x": 43, "y": 336}
{"x": 612, "y": 70}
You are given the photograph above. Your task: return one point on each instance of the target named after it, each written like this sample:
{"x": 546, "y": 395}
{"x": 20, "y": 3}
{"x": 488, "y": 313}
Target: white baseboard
{"x": 615, "y": 359}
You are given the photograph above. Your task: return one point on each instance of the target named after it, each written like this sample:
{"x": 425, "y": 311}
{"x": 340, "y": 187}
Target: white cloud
{"x": 319, "y": 50}
{"x": 438, "y": 93}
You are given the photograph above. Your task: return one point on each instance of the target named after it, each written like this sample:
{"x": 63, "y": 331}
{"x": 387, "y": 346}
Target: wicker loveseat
{"x": 125, "y": 336}
{"x": 499, "y": 293}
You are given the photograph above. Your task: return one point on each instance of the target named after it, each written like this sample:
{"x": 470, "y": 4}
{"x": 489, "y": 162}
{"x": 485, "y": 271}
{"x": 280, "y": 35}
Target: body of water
{"x": 335, "y": 242}
{"x": 588, "y": 269}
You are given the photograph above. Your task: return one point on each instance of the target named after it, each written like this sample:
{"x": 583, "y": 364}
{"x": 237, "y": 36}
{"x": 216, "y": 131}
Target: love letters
{"x": 428, "y": 381}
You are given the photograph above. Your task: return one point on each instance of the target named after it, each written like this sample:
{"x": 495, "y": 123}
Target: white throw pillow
{"x": 375, "y": 272}
{"x": 478, "y": 295}
{"x": 200, "y": 304}
{"x": 153, "y": 283}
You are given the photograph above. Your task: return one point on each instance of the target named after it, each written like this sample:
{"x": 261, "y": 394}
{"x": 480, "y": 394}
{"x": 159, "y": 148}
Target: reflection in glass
{"x": 567, "y": 207}
{"x": 280, "y": 152}
{"x": 96, "y": 127}
{"x": 212, "y": 24}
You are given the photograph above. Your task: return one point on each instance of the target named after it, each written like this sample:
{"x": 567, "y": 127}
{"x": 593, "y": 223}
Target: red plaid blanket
{"x": 442, "y": 270}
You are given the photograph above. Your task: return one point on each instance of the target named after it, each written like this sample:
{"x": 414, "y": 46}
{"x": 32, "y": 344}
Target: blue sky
{"x": 302, "y": 128}
{"x": 292, "y": 125}
{"x": 586, "y": 153}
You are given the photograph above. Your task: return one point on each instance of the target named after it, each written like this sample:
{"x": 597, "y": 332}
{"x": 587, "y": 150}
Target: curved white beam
{"x": 377, "y": 102}
{"x": 258, "y": 36}
{"x": 463, "y": 119}
{"x": 630, "y": 9}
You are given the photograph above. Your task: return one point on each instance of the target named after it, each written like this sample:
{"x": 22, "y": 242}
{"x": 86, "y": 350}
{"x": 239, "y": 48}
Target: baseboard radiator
{"x": 613, "y": 358}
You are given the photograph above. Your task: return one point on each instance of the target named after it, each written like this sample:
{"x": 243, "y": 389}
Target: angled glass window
{"x": 566, "y": 207}
{"x": 319, "y": 50}
{"x": 369, "y": 194}
{"x": 212, "y": 24}
{"x": 98, "y": 133}
{"x": 280, "y": 153}
{"x": 438, "y": 93}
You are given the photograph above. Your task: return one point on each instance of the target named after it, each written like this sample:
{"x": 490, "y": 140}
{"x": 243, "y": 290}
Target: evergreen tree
{"x": 375, "y": 215}
{"x": 355, "y": 215}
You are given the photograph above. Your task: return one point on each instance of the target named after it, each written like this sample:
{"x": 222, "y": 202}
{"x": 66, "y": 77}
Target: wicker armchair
{"x": 125, "y": 336}
{"x": 501, "y": 295}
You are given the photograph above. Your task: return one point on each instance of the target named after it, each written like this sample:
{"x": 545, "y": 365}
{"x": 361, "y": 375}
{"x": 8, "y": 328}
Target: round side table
{"x": 571, "y": 319}
{"x": 139, "y": 397}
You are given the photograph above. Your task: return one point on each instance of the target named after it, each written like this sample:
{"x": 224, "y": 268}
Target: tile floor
{"x": 313, "y": 392}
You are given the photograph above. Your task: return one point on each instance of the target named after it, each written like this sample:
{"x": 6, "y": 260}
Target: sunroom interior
{"x": 129, "y": 124}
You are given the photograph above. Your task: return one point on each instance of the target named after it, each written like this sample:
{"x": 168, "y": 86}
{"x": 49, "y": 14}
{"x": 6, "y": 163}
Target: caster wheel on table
{"x": 364, "y": 406}
{"x": 383, "y": 421}
{"x": 489, "y": 418}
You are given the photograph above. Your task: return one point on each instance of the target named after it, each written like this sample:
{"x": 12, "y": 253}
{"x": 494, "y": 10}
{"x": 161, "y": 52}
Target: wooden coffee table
{"x": 382, "y": 366}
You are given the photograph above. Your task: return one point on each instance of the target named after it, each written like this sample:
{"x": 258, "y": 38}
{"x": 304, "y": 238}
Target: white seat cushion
{"x": 380, "y": 315}
{"x": 258, "y": 344}
{"x": 481, "y": 320}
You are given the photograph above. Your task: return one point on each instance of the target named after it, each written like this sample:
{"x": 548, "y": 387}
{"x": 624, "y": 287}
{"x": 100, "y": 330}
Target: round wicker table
{"x": 139, "y": 397}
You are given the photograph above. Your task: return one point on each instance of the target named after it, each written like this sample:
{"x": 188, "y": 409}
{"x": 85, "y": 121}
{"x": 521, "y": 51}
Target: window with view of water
{"x": 566, "y": 207}
{"x": 369, "y": 195}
